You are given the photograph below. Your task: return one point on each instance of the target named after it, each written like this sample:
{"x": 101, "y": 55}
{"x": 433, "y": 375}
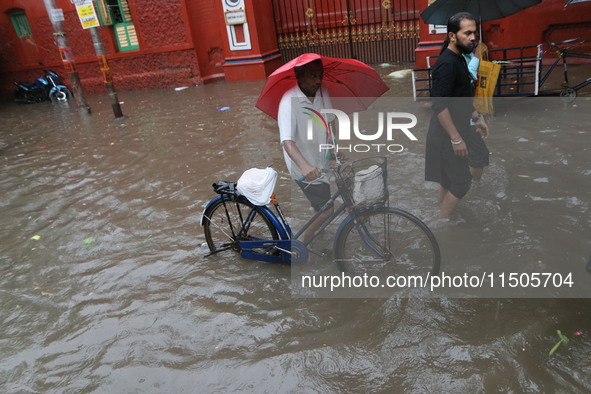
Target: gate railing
{"x": 368, "y": 30}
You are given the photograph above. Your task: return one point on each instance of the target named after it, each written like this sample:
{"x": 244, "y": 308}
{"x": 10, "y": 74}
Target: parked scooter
{"x": 47, "y": 87}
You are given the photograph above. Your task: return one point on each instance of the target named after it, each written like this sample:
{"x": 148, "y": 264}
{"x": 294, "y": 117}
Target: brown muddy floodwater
{"x": 104, "y": 285}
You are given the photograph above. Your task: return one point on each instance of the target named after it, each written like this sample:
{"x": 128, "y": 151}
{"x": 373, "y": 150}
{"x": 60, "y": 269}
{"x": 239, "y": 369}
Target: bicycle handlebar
{"x": 303, "y": 178}
{"x": 564, "y": 42}
{"x": 573, "y": 41}
{"x": 332, "y": 168}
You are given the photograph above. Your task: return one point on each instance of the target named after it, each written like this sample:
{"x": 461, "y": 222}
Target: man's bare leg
{"x": 476, "y": 173}
{"x": 316, "y": 224}
{"x": 442, "y": 192}
{"x": 448, "y": 205}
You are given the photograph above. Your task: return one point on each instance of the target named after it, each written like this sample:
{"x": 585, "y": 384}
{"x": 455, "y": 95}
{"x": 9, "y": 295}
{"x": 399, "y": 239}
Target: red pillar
{"x": 250, "y": 40}
{"x": 430, "y": 41}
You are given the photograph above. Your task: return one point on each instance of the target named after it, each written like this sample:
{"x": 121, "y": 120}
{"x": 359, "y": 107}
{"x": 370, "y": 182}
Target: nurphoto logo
{"x": 396, "y": 123}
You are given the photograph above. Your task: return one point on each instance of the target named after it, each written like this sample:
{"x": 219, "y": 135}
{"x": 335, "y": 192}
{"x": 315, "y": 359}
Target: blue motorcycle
{"x": 47, "y": 87}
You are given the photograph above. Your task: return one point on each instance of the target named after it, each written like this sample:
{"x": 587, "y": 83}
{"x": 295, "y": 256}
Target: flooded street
{"x": 105, "y": 288}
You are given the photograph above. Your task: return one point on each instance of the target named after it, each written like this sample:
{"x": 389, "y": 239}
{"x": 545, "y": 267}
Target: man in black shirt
{"x": 450, "y": 136}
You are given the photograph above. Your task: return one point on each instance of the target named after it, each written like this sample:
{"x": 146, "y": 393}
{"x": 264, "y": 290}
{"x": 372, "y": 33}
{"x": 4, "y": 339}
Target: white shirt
{"x": 293, "y": 118}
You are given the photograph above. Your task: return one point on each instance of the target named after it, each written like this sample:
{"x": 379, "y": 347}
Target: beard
{"x": 309, "y": 90}
{"x": 467, "y": 48}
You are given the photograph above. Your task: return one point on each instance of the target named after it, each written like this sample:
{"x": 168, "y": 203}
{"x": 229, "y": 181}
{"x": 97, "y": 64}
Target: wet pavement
{"x": 105, "y": 287}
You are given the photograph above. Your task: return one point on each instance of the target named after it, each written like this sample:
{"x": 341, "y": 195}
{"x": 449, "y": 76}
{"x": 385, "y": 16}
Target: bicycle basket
{"x": 364, "y": 182}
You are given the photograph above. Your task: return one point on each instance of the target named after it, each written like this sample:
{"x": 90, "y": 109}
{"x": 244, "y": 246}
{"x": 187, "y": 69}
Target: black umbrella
{"x": 484, "y": 10}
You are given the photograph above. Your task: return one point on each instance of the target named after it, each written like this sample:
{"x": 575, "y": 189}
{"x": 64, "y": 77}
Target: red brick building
{"x": 152, "y": 44}
{"x": 149, "y": 44}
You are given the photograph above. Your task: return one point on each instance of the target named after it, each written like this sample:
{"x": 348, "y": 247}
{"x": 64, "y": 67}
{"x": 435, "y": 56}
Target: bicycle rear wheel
{"x": 226, "y": 223}
{"x": 387, "y": 241}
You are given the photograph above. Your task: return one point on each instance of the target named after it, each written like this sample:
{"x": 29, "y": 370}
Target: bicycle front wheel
{"x": 60, "y": 95}
{"x": 387, "y": 241}
{"x": 226, "y": 223}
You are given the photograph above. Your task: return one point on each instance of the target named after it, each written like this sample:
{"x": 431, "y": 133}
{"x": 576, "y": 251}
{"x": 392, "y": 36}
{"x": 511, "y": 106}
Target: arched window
{"x": 20, "y": 23}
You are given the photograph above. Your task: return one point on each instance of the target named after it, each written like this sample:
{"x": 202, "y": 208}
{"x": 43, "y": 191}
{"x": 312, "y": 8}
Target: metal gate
{"x": 373, "y": 31}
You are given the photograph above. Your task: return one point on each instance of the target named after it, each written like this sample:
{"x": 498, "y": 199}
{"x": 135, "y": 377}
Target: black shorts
{"x": 455, "y": 175}
{"x": 443, "y": 166}
{"x": 477, "y": 151}
{"x": 318, "y": 193}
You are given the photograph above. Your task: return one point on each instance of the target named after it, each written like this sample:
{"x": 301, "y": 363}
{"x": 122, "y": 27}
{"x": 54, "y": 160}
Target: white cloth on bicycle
{"x": 257, "y": 185}
{"x": 369, "y": 186}
{"x": 293, "y": 118}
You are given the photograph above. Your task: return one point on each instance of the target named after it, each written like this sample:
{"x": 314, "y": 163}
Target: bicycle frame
{"x": 287, "y": 248}
{"x": 287, "y": 242}
{"x": 292, "y": 250}
{"x": 581, "y": 56}
{"x": 562, "y": 55}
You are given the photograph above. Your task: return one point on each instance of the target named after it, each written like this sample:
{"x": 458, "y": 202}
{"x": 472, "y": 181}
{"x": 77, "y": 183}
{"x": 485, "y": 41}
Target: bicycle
{"x": 567, "y": 93}
{"x": 370, "y": 238}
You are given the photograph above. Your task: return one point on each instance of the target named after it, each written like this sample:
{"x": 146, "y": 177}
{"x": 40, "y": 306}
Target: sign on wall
{"x": 86, "y": 13}
{"x": 236, "y": 25}
{"x": 437, "y": 29}
{"x": 235, "y": 17}
{"x": 56, "y": 15}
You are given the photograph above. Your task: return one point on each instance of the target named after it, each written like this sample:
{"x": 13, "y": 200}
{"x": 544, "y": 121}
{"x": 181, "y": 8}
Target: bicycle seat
{"x": 224, "y": 187}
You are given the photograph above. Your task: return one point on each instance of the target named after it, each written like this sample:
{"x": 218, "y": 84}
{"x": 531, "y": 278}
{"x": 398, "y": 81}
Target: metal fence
{"x": 519, "y": 76}
{"x": 372, "y": 31}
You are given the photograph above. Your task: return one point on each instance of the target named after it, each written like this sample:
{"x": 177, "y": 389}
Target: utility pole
{"x": 107, "y": 78}
{"x": 67, "y": 56}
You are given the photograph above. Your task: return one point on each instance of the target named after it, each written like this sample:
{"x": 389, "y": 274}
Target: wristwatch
{"x": 476, "y": 118}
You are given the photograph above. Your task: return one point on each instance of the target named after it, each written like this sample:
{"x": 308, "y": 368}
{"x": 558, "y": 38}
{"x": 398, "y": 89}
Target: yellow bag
{"x": 488, "y": 74}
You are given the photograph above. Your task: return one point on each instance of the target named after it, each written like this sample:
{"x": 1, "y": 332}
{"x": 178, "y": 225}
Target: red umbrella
{"x": 344, "y": 78}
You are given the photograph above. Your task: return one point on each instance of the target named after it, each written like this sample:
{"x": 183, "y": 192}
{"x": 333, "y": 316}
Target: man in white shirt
{"x": 305, "y": 160}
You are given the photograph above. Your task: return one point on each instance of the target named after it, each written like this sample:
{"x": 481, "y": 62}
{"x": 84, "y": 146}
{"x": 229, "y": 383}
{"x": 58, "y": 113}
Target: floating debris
{"x": 181, "y": 88}
{"x": 400, "y": 74}
{"x": 88, "y": 242}
{"x": 201, "y": 312}
{"x": 36, "y": 237}
{"x": 223, "y": 109}
{"x": 563, "y": 339}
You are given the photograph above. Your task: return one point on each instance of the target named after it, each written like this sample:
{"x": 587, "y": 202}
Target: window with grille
{"x": 20, "y": 23}
{"x": 116, "y": 13}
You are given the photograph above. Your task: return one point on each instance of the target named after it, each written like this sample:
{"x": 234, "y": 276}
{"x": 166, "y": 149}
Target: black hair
{"x": 453, "y": 26}
{"x": 300, "y": 70}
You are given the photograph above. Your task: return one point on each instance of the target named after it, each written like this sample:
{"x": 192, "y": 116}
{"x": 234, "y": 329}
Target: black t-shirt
{"x": 452, "y": 89}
